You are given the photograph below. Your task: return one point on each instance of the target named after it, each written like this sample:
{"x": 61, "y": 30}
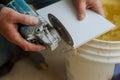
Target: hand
{"x": 9, "y": 28}
{"x": 82, "y": 5}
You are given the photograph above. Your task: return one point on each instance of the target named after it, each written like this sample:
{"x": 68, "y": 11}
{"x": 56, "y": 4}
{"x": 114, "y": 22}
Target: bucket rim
{"x": 98, "y": 40}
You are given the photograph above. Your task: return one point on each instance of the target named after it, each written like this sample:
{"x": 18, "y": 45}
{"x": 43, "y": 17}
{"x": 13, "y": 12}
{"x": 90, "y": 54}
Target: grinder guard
{"x": 60, "y": 29}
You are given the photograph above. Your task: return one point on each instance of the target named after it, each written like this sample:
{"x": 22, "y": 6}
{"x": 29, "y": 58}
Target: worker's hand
{"x": 9, "y": 28}
{"x": 82, "y": 5}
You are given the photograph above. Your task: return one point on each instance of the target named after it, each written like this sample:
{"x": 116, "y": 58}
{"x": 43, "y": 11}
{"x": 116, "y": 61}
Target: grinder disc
{"x": 60, "y": 29}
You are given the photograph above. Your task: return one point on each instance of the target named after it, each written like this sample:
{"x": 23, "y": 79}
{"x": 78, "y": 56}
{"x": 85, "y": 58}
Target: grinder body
{"x": 42, "y": 33}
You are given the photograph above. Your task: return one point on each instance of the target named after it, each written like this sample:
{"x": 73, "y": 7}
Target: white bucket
{"x": 97, "y": 59}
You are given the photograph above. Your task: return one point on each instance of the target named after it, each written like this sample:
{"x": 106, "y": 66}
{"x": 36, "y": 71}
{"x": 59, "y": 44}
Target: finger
{"x": 18, "y": 40}
{"x": 81, "y": 9}
{"x": 97, "y": 7}
{"x": 27, "y": 46}
{"x": 15, "y": 17}
{"x": 31, "y": 47}
{"x": 26, "y": 19}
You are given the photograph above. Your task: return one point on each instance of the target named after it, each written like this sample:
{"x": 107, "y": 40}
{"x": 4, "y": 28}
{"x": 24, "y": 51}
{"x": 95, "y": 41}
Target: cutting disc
{"x": 64, "y": 34}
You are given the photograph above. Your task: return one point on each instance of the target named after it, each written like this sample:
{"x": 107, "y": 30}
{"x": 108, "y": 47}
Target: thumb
{"x": 81, "y": 9}
{"x": 26, "y": 19}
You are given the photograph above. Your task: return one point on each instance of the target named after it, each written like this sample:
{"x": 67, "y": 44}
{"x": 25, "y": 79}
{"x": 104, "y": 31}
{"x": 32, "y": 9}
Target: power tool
{"x": 43, "y": 33}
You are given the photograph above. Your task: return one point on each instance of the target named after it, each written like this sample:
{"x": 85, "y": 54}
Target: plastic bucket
{"x": 97, "y": 59}
{"x": 94, "y": 62}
